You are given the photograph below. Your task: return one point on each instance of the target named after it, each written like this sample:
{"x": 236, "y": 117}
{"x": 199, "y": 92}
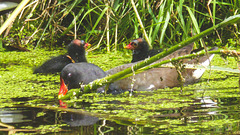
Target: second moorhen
{"x": 140, "y": 50}
{"x": 161, "y": 77}
{"x": 76, "y": 53}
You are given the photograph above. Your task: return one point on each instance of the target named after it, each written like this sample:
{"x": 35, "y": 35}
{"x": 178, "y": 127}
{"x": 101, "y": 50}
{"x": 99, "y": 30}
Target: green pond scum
{"x": 209, "y": 106}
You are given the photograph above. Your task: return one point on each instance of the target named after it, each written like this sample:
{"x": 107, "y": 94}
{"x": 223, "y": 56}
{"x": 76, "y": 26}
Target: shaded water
{"x": 29, "y": 103}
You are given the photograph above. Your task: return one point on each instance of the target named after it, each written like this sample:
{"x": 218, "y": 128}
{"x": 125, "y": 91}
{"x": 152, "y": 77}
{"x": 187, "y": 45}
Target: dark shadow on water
{"x": 18, "y": 118}
{"x": 75, "y": 120}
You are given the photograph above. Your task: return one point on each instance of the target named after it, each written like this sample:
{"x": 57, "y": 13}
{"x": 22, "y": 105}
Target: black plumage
{"x": 141, "y": 50}
{"x": 75, "y": 74}
{"x": 76, "y": 53}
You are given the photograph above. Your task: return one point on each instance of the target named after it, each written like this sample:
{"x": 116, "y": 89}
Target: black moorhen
{"x": 75, "y": 74}
{"x": 161, "y": 77}
{"x": 140, "y": 50}
{"x": 76, "y": 53}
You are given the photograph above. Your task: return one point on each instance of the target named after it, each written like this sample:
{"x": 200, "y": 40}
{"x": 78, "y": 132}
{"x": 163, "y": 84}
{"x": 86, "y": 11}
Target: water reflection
{"x": 15, "y": 115}
{"x": 13, "y": 120}
{"x": 207, "y": 102}
{"x": 75, "y": 119}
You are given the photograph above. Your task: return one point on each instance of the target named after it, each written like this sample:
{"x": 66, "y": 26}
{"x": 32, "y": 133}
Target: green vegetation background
{"x": 110, "y": 25}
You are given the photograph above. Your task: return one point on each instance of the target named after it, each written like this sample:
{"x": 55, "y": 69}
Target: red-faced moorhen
{"x": 75, "y": 74}
{"x": 140, "y": 50}
{"x": 76, "y": 53}
{"x": 161, "y": 77}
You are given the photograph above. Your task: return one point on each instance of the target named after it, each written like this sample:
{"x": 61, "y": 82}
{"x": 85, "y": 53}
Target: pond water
{"x": 29, "y": 104}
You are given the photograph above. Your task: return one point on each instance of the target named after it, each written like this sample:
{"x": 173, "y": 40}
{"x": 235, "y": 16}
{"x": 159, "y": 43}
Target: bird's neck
{"x": 77, "y": 54}
{"x": 139, "y": 55}
{"x": 136, "y": 52}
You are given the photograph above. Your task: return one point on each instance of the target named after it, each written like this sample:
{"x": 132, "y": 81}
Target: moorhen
{"x": 76, "y": 53}
{"x": 75, "y": 74}
{"x": 161, "y": 77}
{"x": 140, "y": 50}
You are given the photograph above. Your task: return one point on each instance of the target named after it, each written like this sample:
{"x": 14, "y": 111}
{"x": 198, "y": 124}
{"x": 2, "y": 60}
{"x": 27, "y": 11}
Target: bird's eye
{"x": 134, "y": 44}
{"x": 82, "y": 42}
{"x": 69, "y": 75}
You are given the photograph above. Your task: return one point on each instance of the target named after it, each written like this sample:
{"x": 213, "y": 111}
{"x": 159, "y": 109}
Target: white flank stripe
{"x": 199, "y": 72}
{"x": 151, "y": 87}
